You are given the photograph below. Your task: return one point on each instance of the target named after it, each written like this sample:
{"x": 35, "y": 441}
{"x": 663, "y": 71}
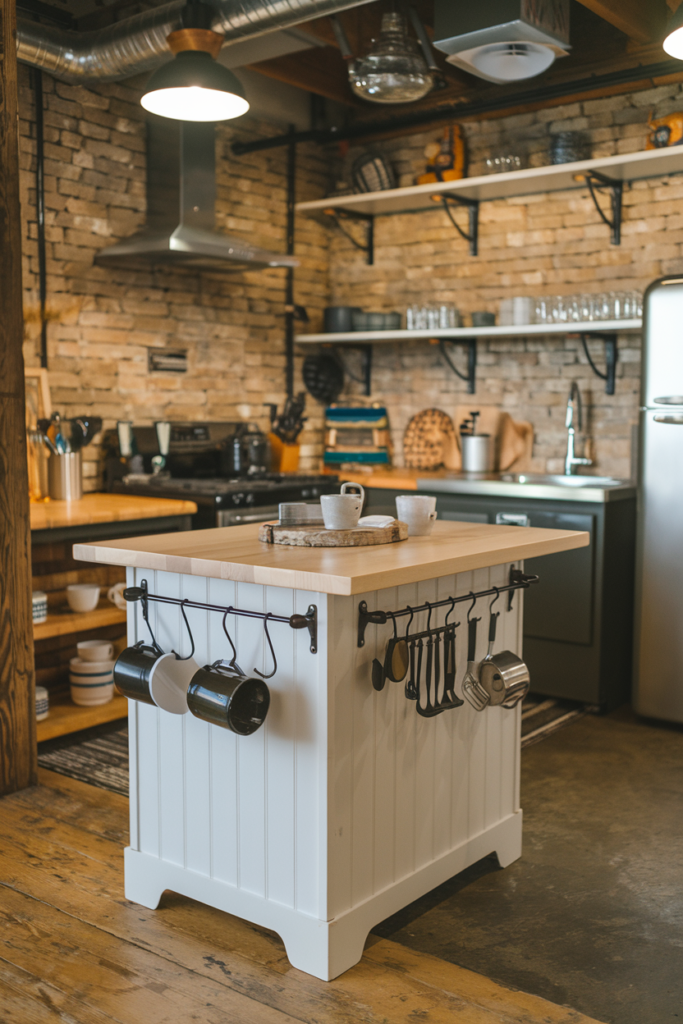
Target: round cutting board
{"x": 319, "y": 537}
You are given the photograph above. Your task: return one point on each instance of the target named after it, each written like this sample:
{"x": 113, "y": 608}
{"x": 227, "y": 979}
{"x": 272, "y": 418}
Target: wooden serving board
{"x": 319, "y": 537}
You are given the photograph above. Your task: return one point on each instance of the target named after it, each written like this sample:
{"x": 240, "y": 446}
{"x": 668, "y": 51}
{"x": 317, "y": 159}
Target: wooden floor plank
{"x": 58, "y": 865}
{"x": 26, "y": 999}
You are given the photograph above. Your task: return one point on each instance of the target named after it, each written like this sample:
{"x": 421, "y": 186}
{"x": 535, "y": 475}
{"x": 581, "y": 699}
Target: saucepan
{"x": 503, "y": 677}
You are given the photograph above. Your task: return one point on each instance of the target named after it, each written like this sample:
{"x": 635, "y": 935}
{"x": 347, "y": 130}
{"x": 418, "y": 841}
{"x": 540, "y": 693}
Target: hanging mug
{"x": 145, "y": 674}
{"x": 223, "y": 696}
{"x": 133, "y": 669}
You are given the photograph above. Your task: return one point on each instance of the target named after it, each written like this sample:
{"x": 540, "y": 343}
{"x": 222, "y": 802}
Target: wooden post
{"x": 18, "y": 767}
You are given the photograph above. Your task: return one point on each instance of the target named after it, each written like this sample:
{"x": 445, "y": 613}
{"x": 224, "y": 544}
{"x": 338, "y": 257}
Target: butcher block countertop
{"x": 235, "y": 553}
{"x": 104, "y": 508}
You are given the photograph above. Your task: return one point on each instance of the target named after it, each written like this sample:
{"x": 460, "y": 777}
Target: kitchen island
{"x": 346, "y": 805}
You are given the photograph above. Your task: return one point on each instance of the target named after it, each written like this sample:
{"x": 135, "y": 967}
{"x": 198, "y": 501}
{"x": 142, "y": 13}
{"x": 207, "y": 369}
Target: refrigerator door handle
{"x": 676, "y": 420}
{"x": 669, "y": 400}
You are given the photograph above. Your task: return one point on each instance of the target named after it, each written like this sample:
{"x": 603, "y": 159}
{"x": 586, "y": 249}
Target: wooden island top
{"x": 235, "y": 553}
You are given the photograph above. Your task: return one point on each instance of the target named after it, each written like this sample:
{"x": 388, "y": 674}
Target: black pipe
{"x": 289, "y": 285}
{"x": 40, "y": 213}
{"x": 489, "y": 104}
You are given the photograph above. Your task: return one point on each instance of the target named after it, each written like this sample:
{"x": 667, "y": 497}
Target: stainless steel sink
{"x": 561, "y": 481}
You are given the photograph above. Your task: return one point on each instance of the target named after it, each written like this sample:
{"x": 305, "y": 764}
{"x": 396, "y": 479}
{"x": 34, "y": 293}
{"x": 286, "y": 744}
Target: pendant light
{"x": 673, "y": 43}
{"x": 394, "y": 71}
{"x": 193, "y": 87}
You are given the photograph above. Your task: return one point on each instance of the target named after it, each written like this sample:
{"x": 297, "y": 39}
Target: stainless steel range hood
{"x": 181, "y": 199}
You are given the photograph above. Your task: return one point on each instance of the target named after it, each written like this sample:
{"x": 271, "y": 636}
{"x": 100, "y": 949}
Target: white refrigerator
{"x": 658, "y": 662}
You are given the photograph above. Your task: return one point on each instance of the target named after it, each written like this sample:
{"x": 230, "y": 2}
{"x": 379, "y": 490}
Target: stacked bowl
{"x": 91, "y": 673}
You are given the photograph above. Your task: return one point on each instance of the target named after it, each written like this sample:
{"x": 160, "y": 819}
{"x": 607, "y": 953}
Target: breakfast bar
{"x": 346, "y": 804}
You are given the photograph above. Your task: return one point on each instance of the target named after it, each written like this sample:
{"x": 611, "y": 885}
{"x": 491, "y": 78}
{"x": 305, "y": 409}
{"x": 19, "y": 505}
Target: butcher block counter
{"x": 346, "y": 804}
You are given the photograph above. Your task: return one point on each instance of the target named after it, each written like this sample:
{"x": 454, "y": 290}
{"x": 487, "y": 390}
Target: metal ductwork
{"x": 139, "y": 44}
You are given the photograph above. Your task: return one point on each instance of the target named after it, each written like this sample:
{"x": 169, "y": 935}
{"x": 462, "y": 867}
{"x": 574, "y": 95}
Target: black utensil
{"x": 411, "y": 688}
{"x": 378, "y": 677}
{"x": 396, "y": 659}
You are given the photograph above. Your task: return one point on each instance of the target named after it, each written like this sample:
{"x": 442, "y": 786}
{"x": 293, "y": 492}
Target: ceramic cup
{"x": 42, "y": 704}
{"x": 144, "y": 673}
{"x": 39, "y": 606}
{"x": 83, "y": 597}
{"x": 418, "y": 511}
{"x": 342, "y": 511}
{"x": 95, "y": 650}
{"x": 115, "y": 595}
{"x": 92, "y": 682}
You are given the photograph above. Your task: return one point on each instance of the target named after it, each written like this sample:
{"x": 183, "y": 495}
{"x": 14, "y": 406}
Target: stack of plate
{"x": 42, "y": 704}
{"x": 92, "y": 682}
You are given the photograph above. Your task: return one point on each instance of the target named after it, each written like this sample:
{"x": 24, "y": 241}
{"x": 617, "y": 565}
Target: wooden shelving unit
{"x": 66, "y": 717}
{"x": 65, "y": 622}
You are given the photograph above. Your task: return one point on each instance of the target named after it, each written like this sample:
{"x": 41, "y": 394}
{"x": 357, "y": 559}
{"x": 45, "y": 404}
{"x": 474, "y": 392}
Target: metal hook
{"x": 471, "y": 607}
{"x": 189, "y": 631}
{"x": 393, "y": 619}
{"x": 448, "y": 613}
{"x": 233, "y": 660}
{"x": 272, "y": 651}
{"x": 495, "y": 598}
{"x": 429, "y": 615}
{"x": 412, "y": 613}
{"x": 145, "y": 614}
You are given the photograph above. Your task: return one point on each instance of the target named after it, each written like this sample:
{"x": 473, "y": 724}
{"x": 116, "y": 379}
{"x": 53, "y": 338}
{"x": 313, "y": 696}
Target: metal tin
{"x": 505, "y": 678}
{"x": 133, "y": 669}
{"x": 64, "y": 476}
{"x": 219, "y": 695}
{"x": 477, "y": 453}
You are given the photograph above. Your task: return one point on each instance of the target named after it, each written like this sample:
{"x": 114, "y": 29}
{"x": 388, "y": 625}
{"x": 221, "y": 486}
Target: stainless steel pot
{"x": 477, "y": 453}
{"x": 505, "y": 678}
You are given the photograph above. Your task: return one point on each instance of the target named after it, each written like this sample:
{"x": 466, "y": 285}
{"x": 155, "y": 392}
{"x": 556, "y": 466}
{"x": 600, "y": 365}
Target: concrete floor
{"x": 592, "y": 915}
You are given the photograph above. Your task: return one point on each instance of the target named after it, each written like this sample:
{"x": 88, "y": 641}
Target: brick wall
{"x": 104, "y": 320}
{"x": 542, "y": 244}
{"x": 232, "y": 326}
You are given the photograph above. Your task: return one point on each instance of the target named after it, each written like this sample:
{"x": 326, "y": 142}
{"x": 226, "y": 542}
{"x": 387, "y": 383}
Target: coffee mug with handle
{"x": 95, "y": 650}
{"x": 115, "y": 595}
{"x": 342, "y": 511}
{"x": 418, "y": 511}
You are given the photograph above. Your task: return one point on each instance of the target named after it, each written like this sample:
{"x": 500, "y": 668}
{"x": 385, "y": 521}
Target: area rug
{"x": 98, "y": 756}
{"x": 542, "y": 716}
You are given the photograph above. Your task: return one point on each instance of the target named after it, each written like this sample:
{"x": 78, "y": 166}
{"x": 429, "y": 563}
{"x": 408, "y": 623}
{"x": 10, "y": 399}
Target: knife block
{"x": 284, "y": 457}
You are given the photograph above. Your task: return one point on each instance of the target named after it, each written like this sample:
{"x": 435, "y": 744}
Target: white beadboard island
{"x": 345, "y": 805}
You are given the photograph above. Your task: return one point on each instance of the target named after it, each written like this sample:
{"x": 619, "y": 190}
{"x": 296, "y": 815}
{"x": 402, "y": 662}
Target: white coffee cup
{"x": 115, "y": 595}
{"x": 342, "y": 511}
{"x": 418, "y": 511}
{"x": 83, "y": 597}
{"x": 95, "y": 650}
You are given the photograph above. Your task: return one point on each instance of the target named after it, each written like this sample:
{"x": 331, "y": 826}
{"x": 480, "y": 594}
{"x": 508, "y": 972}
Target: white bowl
{"x": 80, "y": 667}
{"x": 83, "y": 597}
{"x": 95, "y": 650}
{"x": 92, "y": 694}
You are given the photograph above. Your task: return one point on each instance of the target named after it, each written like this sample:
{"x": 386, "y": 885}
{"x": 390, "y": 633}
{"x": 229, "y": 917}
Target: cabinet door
{"x": 464, "y": 517}
{"x": 560, "y": 606}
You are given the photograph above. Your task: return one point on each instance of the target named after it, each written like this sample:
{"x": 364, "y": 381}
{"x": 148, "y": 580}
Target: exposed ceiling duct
{"x": 139, "y": 44}
{"x": 502, "y": 40}
{"x": 181, "y": 196}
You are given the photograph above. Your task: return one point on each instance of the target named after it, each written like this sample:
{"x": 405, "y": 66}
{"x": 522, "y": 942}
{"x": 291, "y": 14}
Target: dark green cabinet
{"x": 578, "y": 620}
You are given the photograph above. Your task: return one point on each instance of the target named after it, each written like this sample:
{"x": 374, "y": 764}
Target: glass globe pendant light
{"x": 673, "y": 43}
{"x": 193, "y": 87}
{"x": 394, "y": 71}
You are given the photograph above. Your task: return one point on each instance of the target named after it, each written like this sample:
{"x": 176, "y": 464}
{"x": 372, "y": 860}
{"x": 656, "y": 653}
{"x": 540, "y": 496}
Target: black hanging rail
{"x": 308, "y": 621}
{"x": 518, "y": 581}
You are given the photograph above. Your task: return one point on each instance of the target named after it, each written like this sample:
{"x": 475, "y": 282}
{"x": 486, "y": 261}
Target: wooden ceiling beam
{"x": 642, "y": 20}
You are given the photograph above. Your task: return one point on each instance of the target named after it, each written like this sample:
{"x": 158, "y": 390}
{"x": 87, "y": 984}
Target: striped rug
{"x": 542, "y": 716}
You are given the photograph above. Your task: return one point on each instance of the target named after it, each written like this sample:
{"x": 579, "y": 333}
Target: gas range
{"x": 232, "y": 502}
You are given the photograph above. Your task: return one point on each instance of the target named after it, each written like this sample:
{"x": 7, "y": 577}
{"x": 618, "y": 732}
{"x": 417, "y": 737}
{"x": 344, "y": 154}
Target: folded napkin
{"x": 379, "y": 522}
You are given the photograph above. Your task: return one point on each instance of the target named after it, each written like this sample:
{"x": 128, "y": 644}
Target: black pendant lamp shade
{"x": 193, "y": 87}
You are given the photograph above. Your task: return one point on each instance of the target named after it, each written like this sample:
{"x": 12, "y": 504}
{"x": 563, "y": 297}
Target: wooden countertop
{"x": 104, "y": 508}
{"x": 235, "y": 553}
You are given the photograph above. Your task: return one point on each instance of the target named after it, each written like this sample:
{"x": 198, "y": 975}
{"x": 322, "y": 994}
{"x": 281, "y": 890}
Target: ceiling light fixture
{"x": 673, "y": 43}
{"x": 192, "y": 87}
{"x": 394, "y": 71}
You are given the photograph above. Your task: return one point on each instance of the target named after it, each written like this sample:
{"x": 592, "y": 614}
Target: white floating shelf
{"x": 627, "y": 167}
{"x": 526, "y": 330}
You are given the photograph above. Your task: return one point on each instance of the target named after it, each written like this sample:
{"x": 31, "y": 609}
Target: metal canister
{"x": 219, "y": 695}
{"x": 133, "y": 669}
{"x": 64, "y": 476}
{"x": 477, "y": 453}
{"x": 505, "y": 677}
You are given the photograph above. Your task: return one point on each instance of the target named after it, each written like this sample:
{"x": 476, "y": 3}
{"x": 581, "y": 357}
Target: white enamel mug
{"x": 418, "y": 511}
{"x": 95, "y": 650}
{"x": 342, "y": 511}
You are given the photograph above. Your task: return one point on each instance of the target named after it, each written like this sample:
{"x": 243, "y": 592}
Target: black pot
{"x": 132, "y": 670}
{"x": 338, "y": 319}
{"x": 221, "y": 696}
{"x": 246, "y": 453}
{"x": 568, "y": 147}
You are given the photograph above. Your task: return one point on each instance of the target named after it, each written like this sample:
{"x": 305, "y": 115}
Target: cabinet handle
{"x": 512, "y": 519}
{"x": 676, "y": 420}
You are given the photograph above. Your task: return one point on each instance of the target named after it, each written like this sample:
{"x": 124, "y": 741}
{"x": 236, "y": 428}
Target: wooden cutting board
{"x": 319, "y": 537}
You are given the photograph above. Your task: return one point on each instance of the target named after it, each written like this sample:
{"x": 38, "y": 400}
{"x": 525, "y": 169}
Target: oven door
{"x": 240, "y": 516}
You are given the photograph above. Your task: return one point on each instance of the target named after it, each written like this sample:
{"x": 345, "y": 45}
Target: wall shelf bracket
{"x": 597, "y": 182}
{"x": 368, "y": 219}
{"x": 610, "y": 341}
{"x": 471, "y": 236}
{"x": 471, "y": 345}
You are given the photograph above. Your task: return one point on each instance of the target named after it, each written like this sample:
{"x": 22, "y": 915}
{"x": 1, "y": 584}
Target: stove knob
{"x": 237, "y": 499}
{"x": 250, "y": 499}
{"x": 306, "y": 492}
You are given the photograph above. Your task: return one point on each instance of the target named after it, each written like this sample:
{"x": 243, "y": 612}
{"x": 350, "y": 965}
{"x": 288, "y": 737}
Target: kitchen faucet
{"x": 573, "y": 415}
